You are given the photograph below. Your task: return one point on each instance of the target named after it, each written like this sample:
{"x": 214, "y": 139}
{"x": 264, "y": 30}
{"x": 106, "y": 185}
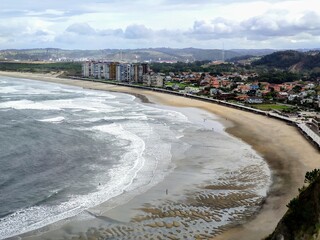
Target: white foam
{"x": 89, "y": 93}
{"x": 27, "y": 104}
{"x": 53, "y": 120}
{"x": 174, "y": 116}
{"x": 89, "y": 104}
{"x": 8, "y": 90}
{"x": 81, "y": 104}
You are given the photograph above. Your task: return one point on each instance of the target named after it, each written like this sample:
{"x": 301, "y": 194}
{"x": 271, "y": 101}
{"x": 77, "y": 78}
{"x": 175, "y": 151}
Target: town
{"x": 235, "y": 87}
{"x": 296, "y": 101}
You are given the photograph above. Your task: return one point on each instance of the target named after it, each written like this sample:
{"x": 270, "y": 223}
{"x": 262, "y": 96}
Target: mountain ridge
{"x": 141, "y": 54}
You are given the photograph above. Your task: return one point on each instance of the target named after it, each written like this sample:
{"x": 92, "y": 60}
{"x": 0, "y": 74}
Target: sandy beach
{"x": 288, "y": 154}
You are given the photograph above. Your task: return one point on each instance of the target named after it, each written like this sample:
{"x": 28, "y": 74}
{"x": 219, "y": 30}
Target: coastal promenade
{"x": 302, "y": 127}
{"x": 311, "y": 135}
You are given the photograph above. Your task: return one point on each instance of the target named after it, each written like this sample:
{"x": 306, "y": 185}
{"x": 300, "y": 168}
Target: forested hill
{"x": 146, "y": 54}
{"x": 291, "y": 60}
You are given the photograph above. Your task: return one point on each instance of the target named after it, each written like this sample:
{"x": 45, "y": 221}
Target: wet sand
{"x": 287, "y": 153}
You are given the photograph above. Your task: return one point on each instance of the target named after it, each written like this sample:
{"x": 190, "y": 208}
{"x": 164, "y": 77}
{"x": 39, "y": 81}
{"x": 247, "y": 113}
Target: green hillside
{"x": 302, "y": 220}
{"x": 291, "y": 60}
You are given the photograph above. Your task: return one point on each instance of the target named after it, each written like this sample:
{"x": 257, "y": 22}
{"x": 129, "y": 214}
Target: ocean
{"x": 65, "y": 149}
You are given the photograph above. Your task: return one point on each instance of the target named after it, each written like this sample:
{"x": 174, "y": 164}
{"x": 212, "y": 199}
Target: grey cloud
{"x": 131, "y": 32}
{"x": 111, "y": 32}
{"x": 11, "y": 30}
{"x": 67, "y": 38}
{"x": 257, "y": 28}
{"x": 132, "y": 36}
{"x": 36, "y": 5}
{"x": 137, "y": 32}
{"x": 217, "y": 28}
{"x": 7, "y": 13}
{"x": 81, "y": 29}
{"x": 310, "y": 20}
{"x": 201, "y": 2}
{"x": 201, "y": 27}
{"x": 87, "y": 30}
{"x": 264, "y": 26}
{"x": 41, "y": 33}
{"x": 268, "y": 26}
{"x": 45, "y": 8}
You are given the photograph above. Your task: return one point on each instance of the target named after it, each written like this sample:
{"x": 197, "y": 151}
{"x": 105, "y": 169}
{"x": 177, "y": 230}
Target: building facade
{"x": 153, "y": 79}
{"x": 122, "y": 72}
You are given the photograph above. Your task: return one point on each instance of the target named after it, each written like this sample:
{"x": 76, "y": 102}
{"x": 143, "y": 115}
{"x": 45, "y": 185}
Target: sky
{"x": 127, "y": 24}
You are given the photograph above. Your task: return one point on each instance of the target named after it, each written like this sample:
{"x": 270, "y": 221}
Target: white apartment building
{"x": 122, "y": 72}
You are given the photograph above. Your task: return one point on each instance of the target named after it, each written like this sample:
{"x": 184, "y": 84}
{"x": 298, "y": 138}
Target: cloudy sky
{"x": 101, "y": 24}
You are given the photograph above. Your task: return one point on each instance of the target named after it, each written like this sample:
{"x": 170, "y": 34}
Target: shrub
{"x": 310, "y": 177}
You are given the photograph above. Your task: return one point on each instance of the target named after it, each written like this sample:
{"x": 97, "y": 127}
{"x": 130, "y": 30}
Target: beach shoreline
{"x": 288, "y": 154}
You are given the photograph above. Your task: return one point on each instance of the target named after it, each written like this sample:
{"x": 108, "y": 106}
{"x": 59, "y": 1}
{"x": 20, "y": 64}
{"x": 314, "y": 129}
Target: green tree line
{"x": 69, "y": 68}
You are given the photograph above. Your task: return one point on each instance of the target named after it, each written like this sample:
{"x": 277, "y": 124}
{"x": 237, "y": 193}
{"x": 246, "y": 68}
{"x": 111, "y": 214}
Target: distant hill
{"x": 147, "y": 54}
{"x": 294, "y": 61}
{"x": 254, "y": 52}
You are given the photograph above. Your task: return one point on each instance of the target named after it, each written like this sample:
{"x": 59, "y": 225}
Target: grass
{"x": 181, "y": 85}
{"x": 268, "y": 107}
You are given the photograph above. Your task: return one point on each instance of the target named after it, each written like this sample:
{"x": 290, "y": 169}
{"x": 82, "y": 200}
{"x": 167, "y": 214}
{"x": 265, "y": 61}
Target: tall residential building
{"x": 86, "y": 70}
{"x": 137, "y": 73}
{"x": 113, "y": 71}
{"x": 145, "y": 68}
{"x": 123, "y": 72}
{"x": 119, "y": 72}
{"x": 127, "y": 72}
{"x": 105, "y": 71}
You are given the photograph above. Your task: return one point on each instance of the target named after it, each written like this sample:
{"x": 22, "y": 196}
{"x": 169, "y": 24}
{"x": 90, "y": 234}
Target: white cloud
{"x": 157, "y": 23}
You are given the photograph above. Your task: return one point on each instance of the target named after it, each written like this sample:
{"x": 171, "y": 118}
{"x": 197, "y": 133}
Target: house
{"x": 215, "y": 83}
{"x": 282, "y": 95}
{"x": 275, "y": 87}
{"x": 254, "y": 100}
{"x": 310, "y": 86}
{"x": 306, "y": 101}
{"x": 204, "y": 82}
{"x": 168, "y": 78}
{"x": 191, "y": 90}
{"x": 243, "y": 88}
{"x": 214, "y": 91}
{"x": 254, "y": 87}
{"x": 153, "y": 79}
{"x": 292, "y": 97}
{"x": 242, "y": 98}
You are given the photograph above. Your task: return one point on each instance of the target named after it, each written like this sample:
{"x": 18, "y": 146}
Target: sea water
{"x": 65, "y": 149}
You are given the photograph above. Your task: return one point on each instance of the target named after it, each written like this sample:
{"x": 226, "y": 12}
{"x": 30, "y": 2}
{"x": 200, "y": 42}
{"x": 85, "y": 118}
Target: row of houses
{"x": 138, "y": 73}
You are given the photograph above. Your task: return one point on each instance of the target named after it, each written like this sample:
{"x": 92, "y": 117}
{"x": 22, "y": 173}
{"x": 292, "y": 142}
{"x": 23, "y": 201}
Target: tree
{"x": 297, "y": 89}
{"x": 310, "y": 177}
